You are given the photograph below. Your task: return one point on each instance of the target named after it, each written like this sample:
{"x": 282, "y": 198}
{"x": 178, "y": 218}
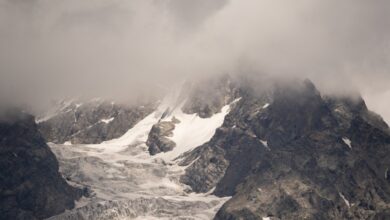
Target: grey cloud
{"x": 116, "y": 48}
{"x": 189, "y": 13}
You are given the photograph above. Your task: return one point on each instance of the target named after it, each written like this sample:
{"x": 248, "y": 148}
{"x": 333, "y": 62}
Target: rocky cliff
{"x": 291, "y": 153}
{"x": 30, "y": 185}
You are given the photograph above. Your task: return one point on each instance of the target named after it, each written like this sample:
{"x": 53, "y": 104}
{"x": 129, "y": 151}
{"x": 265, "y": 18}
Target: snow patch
{"x": 106, "y": 121}
{"x": 265, "y": 106}
{"x": 192, "y": 131}
{"x": 265, "y": 143}
{"x": 139, "y": 133}
{"x": 68, "y": 143}
{"x": 266, "y": 218}
{"x": 345, "y": 200}
{"x": 348, "y": 142}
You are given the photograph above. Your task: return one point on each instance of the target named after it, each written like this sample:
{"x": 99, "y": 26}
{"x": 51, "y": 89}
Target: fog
{"x": 123, "y": 48}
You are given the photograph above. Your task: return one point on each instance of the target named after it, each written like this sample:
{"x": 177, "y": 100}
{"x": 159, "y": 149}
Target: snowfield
{"x": 127, "y": 183}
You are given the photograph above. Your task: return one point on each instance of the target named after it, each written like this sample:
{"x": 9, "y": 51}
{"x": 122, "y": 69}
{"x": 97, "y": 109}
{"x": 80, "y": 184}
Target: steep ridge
{"x": 289, "y": 153}
{"x": 90, "y": 122}
{"x": 30, "y": 185}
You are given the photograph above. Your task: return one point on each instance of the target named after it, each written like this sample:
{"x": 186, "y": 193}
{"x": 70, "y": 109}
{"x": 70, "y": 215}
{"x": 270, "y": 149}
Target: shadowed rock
{"x": 30, "y": 185}
{"x": 289, "y": 153}
{"x": 158, "y": 140}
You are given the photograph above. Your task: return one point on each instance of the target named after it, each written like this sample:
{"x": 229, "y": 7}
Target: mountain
{"x": 92, "y": 121}
{"x": 290, "y": 153}
{"x": 30, "y": 185}
{"x": 226, "y": 148}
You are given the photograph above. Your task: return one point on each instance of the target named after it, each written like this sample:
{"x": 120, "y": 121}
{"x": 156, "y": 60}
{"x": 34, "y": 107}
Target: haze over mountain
{"x": 194, "y": 109}
{"x": 118, "y": 48}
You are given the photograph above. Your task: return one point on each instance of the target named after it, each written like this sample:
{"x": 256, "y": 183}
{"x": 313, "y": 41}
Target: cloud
{"x": 123, "y": 48}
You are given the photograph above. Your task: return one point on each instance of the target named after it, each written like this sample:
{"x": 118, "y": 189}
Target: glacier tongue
{"x": 129, "y": 183}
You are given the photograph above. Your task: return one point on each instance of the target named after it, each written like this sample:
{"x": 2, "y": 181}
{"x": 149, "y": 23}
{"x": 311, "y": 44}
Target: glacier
{"x": 125, "y": 182}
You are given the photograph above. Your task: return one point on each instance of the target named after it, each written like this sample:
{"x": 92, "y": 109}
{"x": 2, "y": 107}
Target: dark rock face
{"x": 290, "y": 153}
{"x": 92, "y": 122}
{"x": 30, "y": 185}
{"x": 158, "y": 140}
{"x": 209, "y": 96}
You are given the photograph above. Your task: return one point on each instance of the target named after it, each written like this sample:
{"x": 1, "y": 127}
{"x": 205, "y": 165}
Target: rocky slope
{"x": 280, "y": 150}
{"x": 290, "y": 153}
{"x": 90, "y": 122}
{"x": 30, "y": 185}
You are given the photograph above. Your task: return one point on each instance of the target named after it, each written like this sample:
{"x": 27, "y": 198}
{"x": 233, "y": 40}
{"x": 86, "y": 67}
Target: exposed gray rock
{"x": 290, "y": 153}
{"x": 158, "y": 140}
{"x": 30, "y": 185}
{"x": 207, "y": 97}
{"x": 92, "y": 122}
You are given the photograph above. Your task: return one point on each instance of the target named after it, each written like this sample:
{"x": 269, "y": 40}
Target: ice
{"x": 128, "y": 183}
{"x": 106, "y": 121}
{"x": 192, "y": 131}
{"x": 120, "y": 179}
{"x": 348, "y": 142}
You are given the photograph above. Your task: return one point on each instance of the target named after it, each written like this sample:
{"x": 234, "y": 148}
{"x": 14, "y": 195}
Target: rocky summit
{"x": 291, "y": 153}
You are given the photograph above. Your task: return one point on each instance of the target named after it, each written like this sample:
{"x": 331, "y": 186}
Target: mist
{"x": 119, "y": 48}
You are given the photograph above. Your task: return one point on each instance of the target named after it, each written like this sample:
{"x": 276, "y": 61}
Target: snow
{"x": 192, "y": 131}
{"x": 106, "y": 121}
{"x": 266, "y": 218}
{"x": 345, "y": 200}
{"x": 121, "y": 170}
{"x": 137, "y": 134}
{"x": 348, "y": 142}
{"x": 265, "y": 143}
{"x": 68, "y": 143}
{"x": 265, "y": 106}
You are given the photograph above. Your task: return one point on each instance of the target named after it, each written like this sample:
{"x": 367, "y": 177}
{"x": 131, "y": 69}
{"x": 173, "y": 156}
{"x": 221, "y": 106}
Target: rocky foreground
{"x": 30, "y": 185}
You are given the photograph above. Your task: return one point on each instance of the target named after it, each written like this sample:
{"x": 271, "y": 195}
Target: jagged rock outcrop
{"x": 30, "y": 185}
{"x": 207, "y": 97}
{"x": 91, "y": 122}
{"x": 158, "y": 139}
{"x": 290, "y": 153}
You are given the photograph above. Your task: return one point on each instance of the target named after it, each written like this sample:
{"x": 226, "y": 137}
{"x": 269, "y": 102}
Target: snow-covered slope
{"x": 126, "y": 182}
{"x": 192, "y": 131}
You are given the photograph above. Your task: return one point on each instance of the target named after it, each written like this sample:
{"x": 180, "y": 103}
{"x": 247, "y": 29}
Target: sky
{"x": 52, "y": 48}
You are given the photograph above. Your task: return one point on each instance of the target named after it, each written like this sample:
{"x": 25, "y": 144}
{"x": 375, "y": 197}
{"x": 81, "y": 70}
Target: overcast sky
{"x": 123, "y": 47}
